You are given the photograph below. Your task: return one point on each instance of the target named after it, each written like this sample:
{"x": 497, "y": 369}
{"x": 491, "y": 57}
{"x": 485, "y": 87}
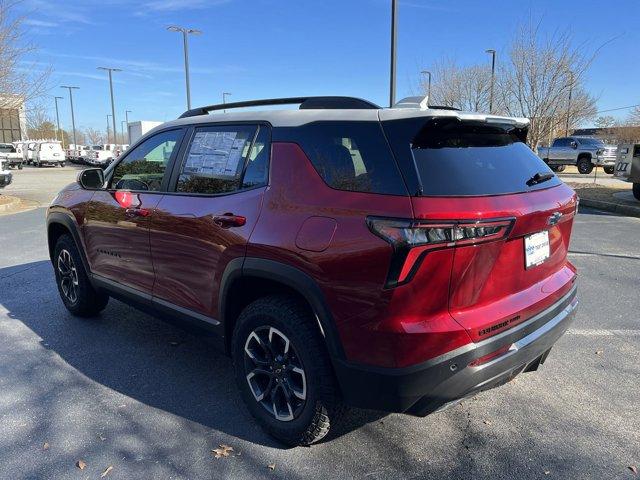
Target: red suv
{"x": 343, "y": 254}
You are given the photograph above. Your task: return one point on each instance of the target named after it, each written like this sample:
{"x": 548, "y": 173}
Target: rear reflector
{"x": 412, "y": 239}
{"x": 487, "y": 358}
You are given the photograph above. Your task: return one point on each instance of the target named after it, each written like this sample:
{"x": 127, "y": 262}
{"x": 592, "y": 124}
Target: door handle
{"x": 229, "y": 220}
{"x": 137, "y": 212}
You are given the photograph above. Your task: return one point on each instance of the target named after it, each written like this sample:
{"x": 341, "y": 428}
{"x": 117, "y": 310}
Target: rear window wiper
{"x": 539, "y": 178}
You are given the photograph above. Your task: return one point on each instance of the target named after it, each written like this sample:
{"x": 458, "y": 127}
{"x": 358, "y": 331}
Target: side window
{"x": 561, "y": 142}
{"x": 215, "y": 160}
{"x": 257, "y": 171}
{"x": 351, "y": 156}
{"x": 144, "y": 167}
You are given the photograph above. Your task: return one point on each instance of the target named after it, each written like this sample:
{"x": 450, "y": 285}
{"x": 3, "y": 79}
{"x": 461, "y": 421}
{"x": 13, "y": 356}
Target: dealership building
{"x": 12, "y": 118}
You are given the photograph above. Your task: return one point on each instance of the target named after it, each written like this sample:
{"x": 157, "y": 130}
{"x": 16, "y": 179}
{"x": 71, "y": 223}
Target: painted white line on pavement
{"x": 604, "y": 333}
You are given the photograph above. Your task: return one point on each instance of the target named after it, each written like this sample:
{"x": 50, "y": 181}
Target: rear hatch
{"x": 481, "y": 193}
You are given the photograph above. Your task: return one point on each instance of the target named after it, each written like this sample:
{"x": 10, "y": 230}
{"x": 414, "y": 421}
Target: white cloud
{"x": 40, "y": 23}
{"x": 172, "y": 5}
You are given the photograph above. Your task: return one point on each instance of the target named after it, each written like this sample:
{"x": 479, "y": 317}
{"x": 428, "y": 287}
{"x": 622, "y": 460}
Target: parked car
{"x": 343, "y": 254}
{"x": 103, "y": 155}
{"x": 49, "y": 153}
{"x": 5, "y": 174}
{"x": 10, "y": 155}
{"x": 628, "y": 166}
{"x": 583, "y": 152}
{"x": 73, "y": 152}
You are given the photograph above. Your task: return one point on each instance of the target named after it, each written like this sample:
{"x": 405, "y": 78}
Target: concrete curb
{"x": 629, "y": 210}
{"x": 13, "y": 202}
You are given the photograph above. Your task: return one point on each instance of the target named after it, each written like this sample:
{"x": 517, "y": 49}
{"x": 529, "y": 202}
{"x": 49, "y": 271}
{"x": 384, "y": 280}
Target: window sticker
{"x": 215, "y": 154}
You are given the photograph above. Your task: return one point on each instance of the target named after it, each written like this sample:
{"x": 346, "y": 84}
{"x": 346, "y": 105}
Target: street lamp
{"x": 122, "y": 124}
{"x": 114, "y": 133}
{"x": 73, "y": 120}
{"x": 224, "y": 99}
{"x": 571, "y": 81}
{"x": 185, "y": 32}
{"x": 493, "y": 77}
{"x": 425, "y": 72}
{"x": 394, "y": 39}
{"x": 113, "y": 108}
{"x": 55, "y": 99}
{"x": 126, "y": 116}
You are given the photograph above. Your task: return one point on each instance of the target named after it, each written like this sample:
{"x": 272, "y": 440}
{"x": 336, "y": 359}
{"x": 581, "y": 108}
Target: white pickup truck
{"x": 103, "y": 155}
{"x": 12, "y": 158}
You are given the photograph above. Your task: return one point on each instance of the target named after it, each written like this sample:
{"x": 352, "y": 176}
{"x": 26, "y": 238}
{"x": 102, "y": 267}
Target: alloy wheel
{"x": 68, "y": 276}
{"x": 275, "y": 373}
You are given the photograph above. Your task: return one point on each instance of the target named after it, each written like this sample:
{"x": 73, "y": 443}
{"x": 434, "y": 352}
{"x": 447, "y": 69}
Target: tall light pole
{"x": 73, "y": 120}
{"x": 114, "y": 133}
{"x": 126, "y": 117}
{"x": 185, "y": 40}
{"x": 426, "y": 72}
{"x": 224, "y": 99}
{"x": 394, "y": 39}
{"x": 55, "y": 99}
{"x": 571, "y": 80}
{"x": 113, "y": 107}
{"x": 493, "y": 77}
{"x": 122, "y": 123}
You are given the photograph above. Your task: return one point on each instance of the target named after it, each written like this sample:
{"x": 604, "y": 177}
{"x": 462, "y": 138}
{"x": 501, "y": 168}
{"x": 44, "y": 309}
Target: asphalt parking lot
{"x": 132, "y": 392}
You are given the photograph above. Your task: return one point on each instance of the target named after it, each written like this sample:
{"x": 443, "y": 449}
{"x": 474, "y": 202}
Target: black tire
{"x": 557, "y": 168}
{"x": 70, "y": 272}
{"x": 585, "y": 167}
{"x": 62, "y": 164}
{"x": 608, "y": 170}
{"x": 636, "y": 190}
{"x": 309, "y": 420}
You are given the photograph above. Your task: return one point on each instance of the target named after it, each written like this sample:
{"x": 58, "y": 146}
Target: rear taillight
{"x": 413, "y": 239}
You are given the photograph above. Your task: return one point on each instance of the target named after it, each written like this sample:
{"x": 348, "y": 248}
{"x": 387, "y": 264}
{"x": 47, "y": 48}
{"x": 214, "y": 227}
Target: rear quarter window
{"x": 448, "y": 157}
{"x": 352, "y": 156}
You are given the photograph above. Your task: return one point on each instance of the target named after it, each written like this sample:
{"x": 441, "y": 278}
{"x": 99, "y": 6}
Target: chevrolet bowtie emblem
{"x": 554, "y": 219}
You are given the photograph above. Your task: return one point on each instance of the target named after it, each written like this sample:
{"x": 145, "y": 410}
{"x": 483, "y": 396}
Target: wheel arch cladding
{"x": 244, "y": 282}
{"x": 59, "y": 224}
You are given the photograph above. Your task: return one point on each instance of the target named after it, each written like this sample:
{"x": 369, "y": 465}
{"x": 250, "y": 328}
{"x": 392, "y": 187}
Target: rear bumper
{"x": 427, "y": 387}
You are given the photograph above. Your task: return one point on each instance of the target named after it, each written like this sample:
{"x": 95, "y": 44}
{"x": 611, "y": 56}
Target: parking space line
{"x": 604, "y": 332}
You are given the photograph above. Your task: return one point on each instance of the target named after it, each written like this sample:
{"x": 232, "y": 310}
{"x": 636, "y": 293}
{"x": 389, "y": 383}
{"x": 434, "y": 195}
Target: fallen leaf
{"x": 633, "y": 468}
{"x": 223, "y": 451}
{"x": 106, "y": 472}
{"x": 487, "y": 422}
{"x": 45, "y": 446}
{"x": 599, "y": 352}
{"x": 81, "y": 464}
{"x": 272, "y": 466}
{"x": 547, "y": 472}
{"x": 101, "y": 437}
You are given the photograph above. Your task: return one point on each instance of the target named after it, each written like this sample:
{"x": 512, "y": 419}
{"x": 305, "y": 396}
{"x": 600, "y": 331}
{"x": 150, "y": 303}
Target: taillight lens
{"x": 413, "y": 239}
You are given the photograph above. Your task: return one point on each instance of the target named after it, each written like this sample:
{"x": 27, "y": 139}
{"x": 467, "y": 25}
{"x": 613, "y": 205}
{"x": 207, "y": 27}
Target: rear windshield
{"x": 454, "y": 158}
{"x": 4, "y": 148}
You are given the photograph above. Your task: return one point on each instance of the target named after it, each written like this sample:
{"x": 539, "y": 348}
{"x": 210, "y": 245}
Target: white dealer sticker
{"x": 536, "y": 248}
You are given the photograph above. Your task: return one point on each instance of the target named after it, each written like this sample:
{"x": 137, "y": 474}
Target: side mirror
{"x": 91, "y": 178}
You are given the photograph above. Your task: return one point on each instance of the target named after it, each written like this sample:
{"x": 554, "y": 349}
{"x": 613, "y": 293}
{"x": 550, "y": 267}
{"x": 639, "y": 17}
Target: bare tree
{"x": 634, "y": 116}
{"x": 606, "y": 121}
{"x": 93, "y": 136}
{"x": 17, "y": 84}
{"x": 541, "y": 79}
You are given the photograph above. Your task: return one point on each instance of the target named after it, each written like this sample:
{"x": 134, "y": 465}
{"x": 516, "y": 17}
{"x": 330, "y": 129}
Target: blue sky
{"x": 274, "y": 48}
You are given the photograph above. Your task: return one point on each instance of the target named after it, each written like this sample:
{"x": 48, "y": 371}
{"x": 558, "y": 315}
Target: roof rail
{"x": 327, "y": 103}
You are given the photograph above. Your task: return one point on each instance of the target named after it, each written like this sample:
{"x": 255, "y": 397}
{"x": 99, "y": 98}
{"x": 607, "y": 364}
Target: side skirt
{"x": 179, "y": 316}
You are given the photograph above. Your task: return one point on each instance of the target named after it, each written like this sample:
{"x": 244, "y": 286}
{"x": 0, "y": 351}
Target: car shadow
{"x": 142, "y": 357}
